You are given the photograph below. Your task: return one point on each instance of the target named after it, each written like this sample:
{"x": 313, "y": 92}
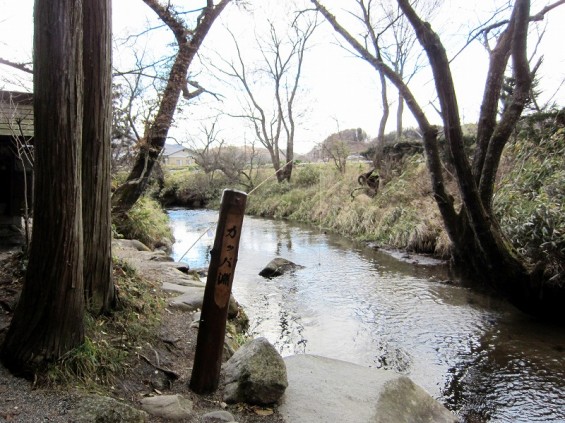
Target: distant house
{"x": 16, "y": 139}
{"x": 175, "y": 155}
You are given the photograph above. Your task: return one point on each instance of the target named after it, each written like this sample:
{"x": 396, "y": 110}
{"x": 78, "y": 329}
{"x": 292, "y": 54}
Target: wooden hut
{"x": 16, "y": 151}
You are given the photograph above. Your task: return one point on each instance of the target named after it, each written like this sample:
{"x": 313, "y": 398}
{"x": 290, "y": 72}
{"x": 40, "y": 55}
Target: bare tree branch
{"x": 19, "y": 66}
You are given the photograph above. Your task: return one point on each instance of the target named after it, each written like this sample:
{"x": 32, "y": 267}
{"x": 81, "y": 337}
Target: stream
{"x": 483, "y": 359}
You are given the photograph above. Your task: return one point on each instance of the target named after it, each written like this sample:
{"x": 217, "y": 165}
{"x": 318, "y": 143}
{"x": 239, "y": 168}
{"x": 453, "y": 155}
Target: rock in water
{"x": 255, "y": 374}
{"x": 277, "y": 267}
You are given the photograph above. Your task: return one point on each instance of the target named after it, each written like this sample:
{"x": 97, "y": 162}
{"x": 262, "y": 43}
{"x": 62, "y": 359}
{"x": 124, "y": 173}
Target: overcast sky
{"x": 339, "y": 91}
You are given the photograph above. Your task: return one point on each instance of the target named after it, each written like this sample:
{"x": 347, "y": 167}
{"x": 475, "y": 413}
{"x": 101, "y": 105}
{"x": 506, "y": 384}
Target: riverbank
{"x": 402, "y": 213}
{"x": 319, "y": 388}
{"x": 158, "y": 365}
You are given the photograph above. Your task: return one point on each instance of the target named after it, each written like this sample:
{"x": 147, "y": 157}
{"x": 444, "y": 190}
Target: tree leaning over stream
{"x": 188, "y": 41}
{"x": 478, "y": 243}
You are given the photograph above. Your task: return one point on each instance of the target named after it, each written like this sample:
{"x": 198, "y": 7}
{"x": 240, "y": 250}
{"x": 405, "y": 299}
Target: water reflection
{"x": 476, "y": 354}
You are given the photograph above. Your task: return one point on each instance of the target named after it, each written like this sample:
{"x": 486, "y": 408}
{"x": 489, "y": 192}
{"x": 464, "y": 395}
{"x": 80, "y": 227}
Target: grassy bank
{"x": 529, "y": 197}
{"x": 402, "y": 214}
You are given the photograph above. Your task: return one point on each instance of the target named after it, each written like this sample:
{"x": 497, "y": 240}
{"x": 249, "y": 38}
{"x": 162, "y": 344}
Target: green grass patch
{"x": 110, "y": 341}
{"x": 147, "y": 222}
{"x": 530, "y": 199}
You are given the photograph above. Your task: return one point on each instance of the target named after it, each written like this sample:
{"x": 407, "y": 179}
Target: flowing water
{"x": 476, "y": 354}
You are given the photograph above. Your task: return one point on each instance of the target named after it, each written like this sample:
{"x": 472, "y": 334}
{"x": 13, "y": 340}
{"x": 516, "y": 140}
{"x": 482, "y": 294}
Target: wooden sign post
{"x": 211, "y": 333}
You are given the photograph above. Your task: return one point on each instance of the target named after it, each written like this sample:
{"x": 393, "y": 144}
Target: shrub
{"x": 192, "y": 188}
{"x": 530, "y": 201}
{"x": 306, "y": 175}
{"x": 111, "y": 340}
{"x": 146, "y": 222}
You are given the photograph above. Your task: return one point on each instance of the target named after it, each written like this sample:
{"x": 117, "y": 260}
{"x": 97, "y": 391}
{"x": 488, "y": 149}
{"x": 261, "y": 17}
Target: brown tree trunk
{"x": 154, "y": 139}
{"x": 478, "y": 241}
{"x": 48, "y": 320}
{"x": 96, "y": 180}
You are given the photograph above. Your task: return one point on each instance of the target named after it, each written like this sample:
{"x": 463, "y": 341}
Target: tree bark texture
{"x": 48, "y": 320}
{"x": 154, "y": 139}
{"x": 96, "y": 178}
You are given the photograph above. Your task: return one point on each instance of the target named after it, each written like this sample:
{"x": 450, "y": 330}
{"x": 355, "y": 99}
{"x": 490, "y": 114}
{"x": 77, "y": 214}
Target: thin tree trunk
{"x": 399, "y": 113}
{"x": 48, "y": 320}
{"x": 96, "y": 180}
{"x": 386, "y": 110}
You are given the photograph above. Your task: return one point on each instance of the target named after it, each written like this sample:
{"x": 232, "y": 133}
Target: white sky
{"x": 339, "y": 90}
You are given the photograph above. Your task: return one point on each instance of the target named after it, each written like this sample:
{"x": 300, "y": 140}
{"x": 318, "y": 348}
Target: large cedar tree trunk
{"x": 48, "y": 320}
{"x": 96, "y": 179}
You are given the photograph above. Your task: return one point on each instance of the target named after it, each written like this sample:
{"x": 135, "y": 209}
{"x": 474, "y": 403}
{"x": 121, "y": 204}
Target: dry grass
{"x": 403, "y": 214}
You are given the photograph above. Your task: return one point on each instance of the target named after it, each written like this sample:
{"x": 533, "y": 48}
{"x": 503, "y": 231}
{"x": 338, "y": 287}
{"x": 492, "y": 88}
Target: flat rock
{"x": 133, "y": 244}
{"x": 190, "y": 300}
{"x": 321, "y": 389}
{"x": 182, "y": 267}
{"x": 99, "y": 409}
{"x": 174, "y": 407}
{"x": 183, "y": 287}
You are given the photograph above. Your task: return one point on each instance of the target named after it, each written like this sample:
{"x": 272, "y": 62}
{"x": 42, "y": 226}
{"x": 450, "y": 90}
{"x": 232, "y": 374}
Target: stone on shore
{"x": 277, "y": 267}
{"x": 190, "y": 300}
{"x": 326, "y": 390}
{"x": 217, "y": 417}
{"x": 255, "y": 374}
{"x": 173, "y": 407}
{"x": 131, "y": 243}
{"x": 99, "y": 409}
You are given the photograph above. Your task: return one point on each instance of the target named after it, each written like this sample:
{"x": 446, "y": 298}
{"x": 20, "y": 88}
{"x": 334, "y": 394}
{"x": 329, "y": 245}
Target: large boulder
{"x": 327, "y": 390}
{"x": 277, "y": 267}
{"x": 255, "y": 374}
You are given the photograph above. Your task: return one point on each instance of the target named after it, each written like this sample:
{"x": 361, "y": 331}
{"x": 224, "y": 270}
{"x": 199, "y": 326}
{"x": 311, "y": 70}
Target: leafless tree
{"x": 211, "y": 154}
{"x": 207, "y": 146}
{"x": 274, "y": 124}
{"x": 188, "y": 41}
{"x": 386, "y": 35}
{"x": 478, "y": 242}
